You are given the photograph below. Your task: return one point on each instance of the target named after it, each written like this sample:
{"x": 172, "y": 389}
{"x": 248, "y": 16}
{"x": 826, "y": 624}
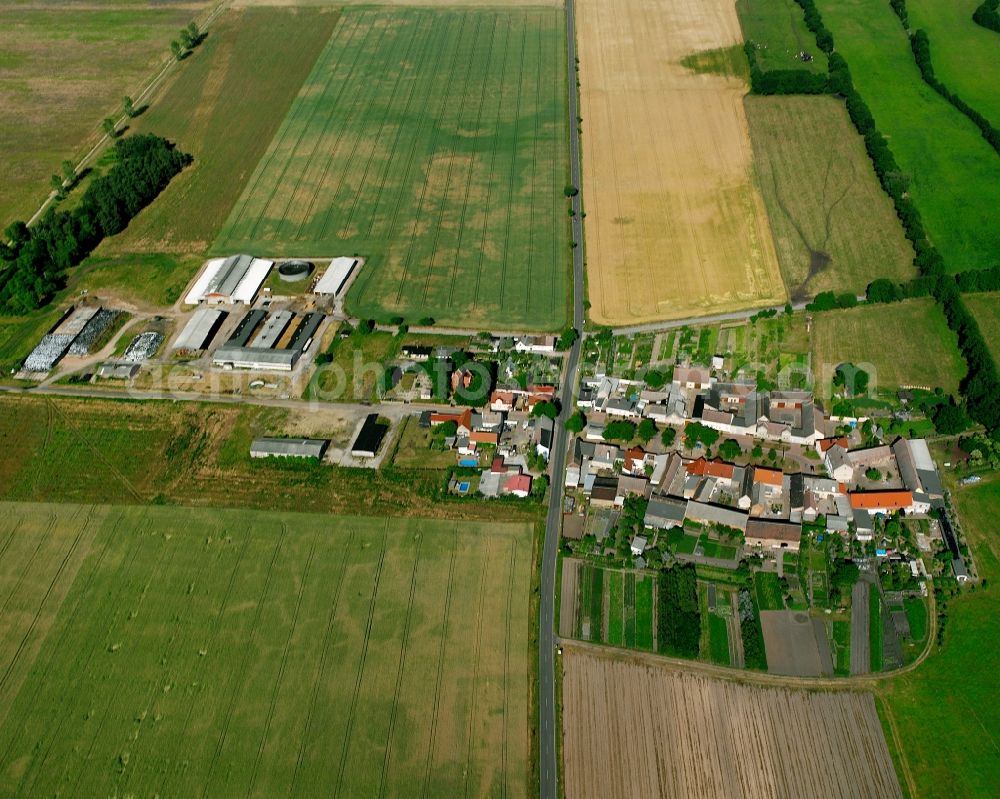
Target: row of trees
{"x": 921, "y": 46}
{"x": 190, "y": 38}
{"x": 884, "y": 290}
{"x": 988, "y": 15}
{"x": 828, "y": 301}
{"x": 36, "y": 257}
{"x": 783, "y": 81}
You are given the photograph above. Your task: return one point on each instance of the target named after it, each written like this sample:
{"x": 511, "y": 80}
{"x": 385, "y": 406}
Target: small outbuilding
{"x": 370, "y": 438}
{"x": 288, "y": 448}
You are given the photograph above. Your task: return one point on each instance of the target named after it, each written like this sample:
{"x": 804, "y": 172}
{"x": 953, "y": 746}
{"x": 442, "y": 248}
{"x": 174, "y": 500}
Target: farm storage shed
{"x": 230, "y": 280}
{"x": 288, "y": 447}
{"x": 335, "y": 276}
{"x": 370, "y": 437}
{"x": 255, "y": 358}
{"x": 198, "y": 332}
{"x": 270, "y": 333}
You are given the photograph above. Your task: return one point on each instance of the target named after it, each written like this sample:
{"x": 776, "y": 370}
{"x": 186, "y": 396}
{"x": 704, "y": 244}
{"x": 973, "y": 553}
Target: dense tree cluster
{"x": 979, "y": 280}
{"x": 981, "y": 385}
{"x": 678, "y": 618}
{"x": 36, "y": 257}
{"x": 988, "y": 15}
{"x": 921, "y": 46}
{"x": 754, "y": 654}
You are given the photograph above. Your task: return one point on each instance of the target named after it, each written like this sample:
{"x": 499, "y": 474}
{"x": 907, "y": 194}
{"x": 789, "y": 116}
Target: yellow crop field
{"x": 676, "y": 225}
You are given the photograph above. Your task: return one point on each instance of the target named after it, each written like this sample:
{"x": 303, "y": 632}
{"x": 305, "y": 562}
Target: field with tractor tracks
{"x": 676, "y": 224}
{"x": 681, "y": 734}
{"x": 433, "y": 142}
{"x": 177, "y": 651}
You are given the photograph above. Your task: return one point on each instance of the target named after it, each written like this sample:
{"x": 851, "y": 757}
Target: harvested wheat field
{"x": 676, "y": 225}
{"x": 674, "y": 733}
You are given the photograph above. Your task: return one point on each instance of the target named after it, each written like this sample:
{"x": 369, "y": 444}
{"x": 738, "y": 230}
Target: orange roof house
{"x": 484, "y": 437}
{"x": 771, "y": 477}
{"x": 704, "y": 468}
{"x": 881, "y": 500}
{"x": 826, "y": 443}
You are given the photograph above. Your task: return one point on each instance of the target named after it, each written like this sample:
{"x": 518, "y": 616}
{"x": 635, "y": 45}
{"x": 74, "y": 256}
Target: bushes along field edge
{"x": 987, "y": 15}
{"x": 920, "y": 45}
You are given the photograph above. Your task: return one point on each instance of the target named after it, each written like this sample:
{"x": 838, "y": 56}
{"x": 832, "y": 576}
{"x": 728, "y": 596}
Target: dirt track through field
{"x": 676, "y": 225}
{"x": 679, "y": 734}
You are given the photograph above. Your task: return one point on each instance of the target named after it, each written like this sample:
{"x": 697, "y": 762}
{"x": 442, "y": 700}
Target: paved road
{"x": 547, "y": 729}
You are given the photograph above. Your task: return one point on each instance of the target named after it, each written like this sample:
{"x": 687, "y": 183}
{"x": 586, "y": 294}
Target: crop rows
{"x": 220, "y": 652}
{"x": 433, "y": 143}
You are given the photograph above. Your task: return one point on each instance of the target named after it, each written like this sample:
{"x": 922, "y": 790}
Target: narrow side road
{"x": 547, "y": 728}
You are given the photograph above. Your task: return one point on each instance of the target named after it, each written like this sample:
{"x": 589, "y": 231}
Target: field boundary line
{"x": 70, "y": 625}
{"x": 55, "y": 733}
{"x": 244, "y": 661}
{"x": 48, "y": 592}
{"x": 443, "y": 204}
{"x": 361, "y": 663}
{"x": 493, "y": 161}
{"x": 310, "y": 111}
{"x": 334, "y": 106}
{"x": 440, "y": 668}
{"x": 281, "y": 668}
{"x": 400, "y": 668}
{"x": 468, "y": 180}
{"x": 321, "y": 668}
{"x": 475, "y": 673}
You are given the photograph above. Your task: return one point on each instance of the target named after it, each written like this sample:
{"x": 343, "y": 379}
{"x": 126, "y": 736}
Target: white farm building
{"x": 230, "y": 280}
{"x": 335, "y": 277}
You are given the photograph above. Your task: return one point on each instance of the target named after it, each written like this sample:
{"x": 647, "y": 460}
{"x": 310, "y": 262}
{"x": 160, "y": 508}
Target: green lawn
{"x": 681, "y": 542}
{"x": 718, "y": 636}
{"x": 778, "y": 28}
{"x": 358, "y": 364}
{"x": 433, "y": 142}
{"x": 644, "y": 587}
{"x": 944, "y": 709}
{"x": 964, "y": 53}
{"x": 954, "y": 174}
{"x": 174, "y": 652}
{"x": 768, "y": 591}
{"x": 831, "y": 221}
{"x": 924, "y": 350}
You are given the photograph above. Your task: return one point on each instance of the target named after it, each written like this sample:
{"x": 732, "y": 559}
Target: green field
{"x": 340, "y": 380}
{"x": 590, "y": 603}
{"x": 778, "y": 28}
{"x": 718, "y": 637}
{"x": 923, "y": 350}
{"x": 832, "y": 223}
{"x": 627, "y": 599}
{"x": 954, "y": 174}
{"x": 768, "y": 591}
{"x": 964, "y": 53}
{"x": 953, "y": 692}
{"x": 432, "y": 143}
{"x": 173, "y": 651}
{"x": 64, "y": 66}
{"x": 267, "y": 52}
{"x": 986, "y": 309}
{"x": 842, "y": 647}
{"x": 644, "y": 587}
{"x": 616, "y": 608}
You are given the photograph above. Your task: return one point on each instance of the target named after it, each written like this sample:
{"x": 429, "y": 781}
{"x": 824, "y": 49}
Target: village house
{"x": 663, "y": 513}
{"x": 773, "y": 534}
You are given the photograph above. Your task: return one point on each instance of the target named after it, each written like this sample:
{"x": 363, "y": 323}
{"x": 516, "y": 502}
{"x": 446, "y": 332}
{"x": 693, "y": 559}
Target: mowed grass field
{"x": 941, "y": 713}
{"x": 778, "y": 29}
{"x": 954, "y": 174}
{"x": 964, "y": 54}
{"x": 676, "y": 224}
{"x": 223, "y": 105}
{"x": 986, "y": 309}
{"x": 173, "y": 651}
{"x": 64, "y": 66}
{"x": 433, "y": 142}
{"x": 834, "y": 227}
{"x": 903, "y": 344}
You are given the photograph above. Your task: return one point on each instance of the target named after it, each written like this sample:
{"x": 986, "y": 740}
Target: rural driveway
{"x": 547, "y": 730}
